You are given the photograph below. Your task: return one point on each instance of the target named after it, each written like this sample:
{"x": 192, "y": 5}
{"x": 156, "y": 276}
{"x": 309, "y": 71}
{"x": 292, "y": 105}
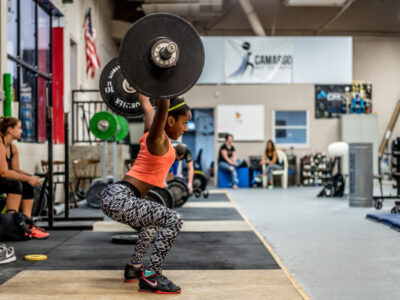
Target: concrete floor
{"x": 330, "y": 249}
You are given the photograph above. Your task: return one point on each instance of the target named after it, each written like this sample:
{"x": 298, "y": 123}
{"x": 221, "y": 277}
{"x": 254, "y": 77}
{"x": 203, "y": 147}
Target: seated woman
{"x": 17, "y": 184}
{"x": 271, "y": 161}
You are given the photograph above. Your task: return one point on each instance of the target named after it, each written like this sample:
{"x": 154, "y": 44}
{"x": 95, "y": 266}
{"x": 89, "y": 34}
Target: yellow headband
{"x": 176, "y": 106}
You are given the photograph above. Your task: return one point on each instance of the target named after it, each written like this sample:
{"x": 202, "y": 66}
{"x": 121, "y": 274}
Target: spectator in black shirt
{"x": 227, "y": 160}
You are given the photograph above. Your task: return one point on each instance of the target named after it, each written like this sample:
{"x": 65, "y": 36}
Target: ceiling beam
{"x": 252, "y": 17}
{"x": 118, "y": 29}
{"x": 335, "y": 17}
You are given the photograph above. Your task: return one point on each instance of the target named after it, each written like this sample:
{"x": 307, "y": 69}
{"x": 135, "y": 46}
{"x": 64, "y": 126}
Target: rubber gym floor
{"x": 218, "y": 255}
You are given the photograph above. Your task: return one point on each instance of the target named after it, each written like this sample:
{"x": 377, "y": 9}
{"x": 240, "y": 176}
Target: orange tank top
{"x": 150, "y": 168}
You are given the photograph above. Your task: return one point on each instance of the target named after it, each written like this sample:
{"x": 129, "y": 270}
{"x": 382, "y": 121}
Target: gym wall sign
{"x": 258, "y": 60}
{"x": 331, "y": 101}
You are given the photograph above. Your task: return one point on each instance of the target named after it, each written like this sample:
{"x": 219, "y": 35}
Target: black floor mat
{"x": 209, "y": 213}
{"x": 86, "y": 211}
{"x": 22, "y": 248}
{"x": 77, "y": 250}
{"x": 211, "y": 198}
{"x": 191, "y": 251}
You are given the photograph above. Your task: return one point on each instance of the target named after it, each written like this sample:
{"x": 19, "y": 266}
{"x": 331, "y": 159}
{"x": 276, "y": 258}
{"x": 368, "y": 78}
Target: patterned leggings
{"x": 156, "y": 221}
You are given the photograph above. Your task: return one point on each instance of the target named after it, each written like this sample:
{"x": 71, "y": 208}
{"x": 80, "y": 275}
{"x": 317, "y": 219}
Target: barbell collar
{"x": 165, "y": 53}
{"x": 168, "y": 51}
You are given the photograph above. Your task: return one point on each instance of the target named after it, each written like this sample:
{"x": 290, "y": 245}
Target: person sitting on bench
{"x": 16, "y": 183}
{"x": 227, "y": 160}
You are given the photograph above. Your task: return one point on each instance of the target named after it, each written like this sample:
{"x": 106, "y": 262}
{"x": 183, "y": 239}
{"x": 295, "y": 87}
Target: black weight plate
{"x": 199, "y": 181}
{"x": 196, "y": 184}
{"x": 176, "y": 191}
{"x": 40, "y": 205}
{"x": 181, "y": 179}
{"x": 155, "y": 197}
{"x": 113, "y": 94}
{"x": 166, "y": 195}
{"x": 80, "y": 194}
{"x": 125, "y": 238}
{"x": 93, "y": 195}
{"x": 141, "y": 72}
{"x": 180, "y": 191}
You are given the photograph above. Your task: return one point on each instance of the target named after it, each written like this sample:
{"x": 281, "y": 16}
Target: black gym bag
{"x": 13, "y": 227}
{"x": 338, "y": 185}
{"x": 334, "y": 188}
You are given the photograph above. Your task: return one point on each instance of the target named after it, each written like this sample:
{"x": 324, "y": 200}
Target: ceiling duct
{"x": 252, "y": 17}
{"x": 336, "y": 16}
{"x": 315, "y": 2}
{"x": 209, "y": 8}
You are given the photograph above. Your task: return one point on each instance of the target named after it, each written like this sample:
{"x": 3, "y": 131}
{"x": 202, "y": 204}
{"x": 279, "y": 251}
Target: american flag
{"x": 92, "y": 60}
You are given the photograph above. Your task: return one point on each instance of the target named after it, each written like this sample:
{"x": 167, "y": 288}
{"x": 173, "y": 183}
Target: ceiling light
{"x": 315, "y": 2}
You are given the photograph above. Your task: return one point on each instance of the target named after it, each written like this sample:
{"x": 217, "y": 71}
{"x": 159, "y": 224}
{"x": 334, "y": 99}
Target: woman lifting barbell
{"x": 123, "y": 201}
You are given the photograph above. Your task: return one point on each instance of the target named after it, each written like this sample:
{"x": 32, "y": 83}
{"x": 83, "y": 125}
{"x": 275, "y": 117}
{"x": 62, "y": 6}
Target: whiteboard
{"x": 244, "y": 122}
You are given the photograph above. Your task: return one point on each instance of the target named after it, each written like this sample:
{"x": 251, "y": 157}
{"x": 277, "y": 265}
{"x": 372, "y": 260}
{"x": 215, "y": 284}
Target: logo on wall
{"x": 245, "y": 62}
{"x": 258, "y": 60}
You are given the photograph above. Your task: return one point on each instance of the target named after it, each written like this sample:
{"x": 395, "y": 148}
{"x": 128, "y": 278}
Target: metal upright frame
{"x": 50, "y": 204}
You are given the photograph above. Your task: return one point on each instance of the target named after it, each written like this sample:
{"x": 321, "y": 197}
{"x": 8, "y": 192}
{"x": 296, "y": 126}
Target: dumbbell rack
{"x": 315, "y": 169}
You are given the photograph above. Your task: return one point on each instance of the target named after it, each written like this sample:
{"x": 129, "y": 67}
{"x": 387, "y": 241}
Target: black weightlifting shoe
{"x": 157, "y": 283}
{"x": 132, "y": 274}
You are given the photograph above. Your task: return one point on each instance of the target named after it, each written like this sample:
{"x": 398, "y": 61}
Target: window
{"x": 27, "y": 105}
{"x": 12, "y": 28}
{"x": 29, "y": 62}
{"x": 290, "y": 128}
{"x": 28, "y": 31}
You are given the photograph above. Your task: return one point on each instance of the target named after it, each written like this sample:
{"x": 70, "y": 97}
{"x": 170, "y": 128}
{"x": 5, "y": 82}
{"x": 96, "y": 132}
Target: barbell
{"x": 161, "y": 56}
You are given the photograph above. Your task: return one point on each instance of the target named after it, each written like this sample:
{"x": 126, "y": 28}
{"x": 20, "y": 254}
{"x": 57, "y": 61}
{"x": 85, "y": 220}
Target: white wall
{"x": 273, "y": 97}
{"x": 375, "y": 59}
{"x": 378, "y": 60}
{"x": 102, "y": 13}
